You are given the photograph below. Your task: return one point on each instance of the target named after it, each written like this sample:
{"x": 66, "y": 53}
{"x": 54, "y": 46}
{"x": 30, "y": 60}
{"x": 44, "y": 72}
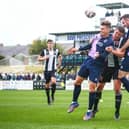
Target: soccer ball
{"x": 90, "y": 13}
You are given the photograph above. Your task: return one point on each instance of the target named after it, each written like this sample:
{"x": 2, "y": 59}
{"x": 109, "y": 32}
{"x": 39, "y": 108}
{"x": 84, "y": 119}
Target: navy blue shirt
{"x": 101, "y": 45}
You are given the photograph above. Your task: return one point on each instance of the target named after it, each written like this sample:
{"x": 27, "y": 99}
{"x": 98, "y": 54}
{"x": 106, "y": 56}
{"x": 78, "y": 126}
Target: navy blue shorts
{"x": 48, "y": 75}
{"x": 89, "y": 69}
{"x": 125, "y": 65}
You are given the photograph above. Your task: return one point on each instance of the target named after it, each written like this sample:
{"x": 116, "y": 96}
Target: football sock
{"x": 91, "y": 100}
{"x": 76, "y": 92}
{"x": 97, "y": 98}
{"x": 118, "y": 98}
{"x": 53, "y": 89}
{"x": 48, "y": 96}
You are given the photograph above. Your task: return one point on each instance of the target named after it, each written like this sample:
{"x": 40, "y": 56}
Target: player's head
{"x": 125, "y": 20}
{"x": 50, "y": 43}
{"x": 118, "y": 33}
{"x": 105, "y": 28}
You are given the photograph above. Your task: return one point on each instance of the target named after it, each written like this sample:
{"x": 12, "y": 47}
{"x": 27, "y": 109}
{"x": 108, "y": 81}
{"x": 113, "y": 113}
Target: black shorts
{"x": 48, "y": 75}
{"x": 109, "y": 73}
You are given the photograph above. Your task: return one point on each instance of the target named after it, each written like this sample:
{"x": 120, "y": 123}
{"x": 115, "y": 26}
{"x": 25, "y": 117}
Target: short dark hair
{"x": 106, "y": 23}
{"x": 121, "y": 29}
{"x": 125, "y": 16}
{"x": 49, "y": 40}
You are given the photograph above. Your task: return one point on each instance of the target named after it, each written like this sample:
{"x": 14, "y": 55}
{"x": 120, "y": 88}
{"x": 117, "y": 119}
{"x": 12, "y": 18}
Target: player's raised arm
{"x": 125, "y": 21}
{"x": 126, "y": 45}
{"x": 72, "y": 50}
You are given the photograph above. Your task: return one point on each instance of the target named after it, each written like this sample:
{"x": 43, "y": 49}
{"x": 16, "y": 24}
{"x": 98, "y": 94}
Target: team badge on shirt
{"x": 100, "y": 44}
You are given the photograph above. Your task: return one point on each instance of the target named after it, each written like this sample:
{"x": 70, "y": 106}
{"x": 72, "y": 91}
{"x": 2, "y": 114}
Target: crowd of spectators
{"x": 21, "y": 76}
{"x": 34, "y": 76}
{"x": 111, "y": 13}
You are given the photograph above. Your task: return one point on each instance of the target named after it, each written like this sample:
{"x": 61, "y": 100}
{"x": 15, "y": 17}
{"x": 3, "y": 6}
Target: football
{"x": 90, "y": 13}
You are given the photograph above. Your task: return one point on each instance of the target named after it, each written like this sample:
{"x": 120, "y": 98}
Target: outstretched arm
{"x": 73, "y": 50}
{"x": 86, "y": 47}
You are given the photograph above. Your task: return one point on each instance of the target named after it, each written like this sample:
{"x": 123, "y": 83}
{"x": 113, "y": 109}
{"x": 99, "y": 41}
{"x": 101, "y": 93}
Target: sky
{"x": 22, "y": 21}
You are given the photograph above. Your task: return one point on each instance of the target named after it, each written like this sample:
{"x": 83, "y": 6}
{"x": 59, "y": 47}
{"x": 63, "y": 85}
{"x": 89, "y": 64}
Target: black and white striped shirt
{"x": 114, "y": 61}
{"x": 51, "y": 62}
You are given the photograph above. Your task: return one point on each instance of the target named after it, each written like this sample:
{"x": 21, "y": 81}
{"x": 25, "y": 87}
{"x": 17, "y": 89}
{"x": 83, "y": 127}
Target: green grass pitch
{"x": 29, "y": 110}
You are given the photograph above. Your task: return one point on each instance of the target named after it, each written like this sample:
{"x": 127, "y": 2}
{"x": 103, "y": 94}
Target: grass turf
{"x": 29, "y": 110}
